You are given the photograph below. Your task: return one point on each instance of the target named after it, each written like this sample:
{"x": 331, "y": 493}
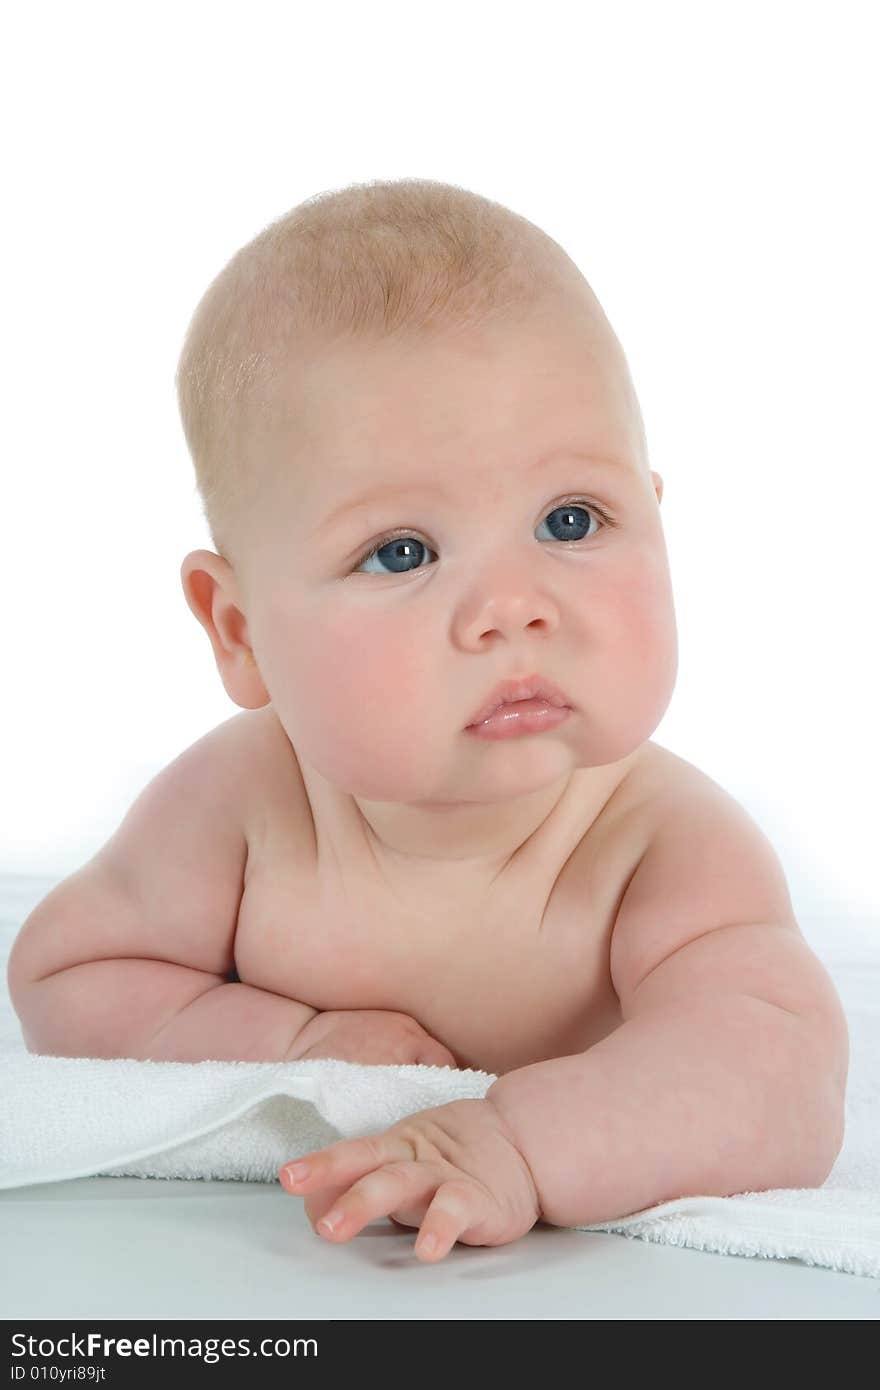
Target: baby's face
{"x": 478, "y": 451}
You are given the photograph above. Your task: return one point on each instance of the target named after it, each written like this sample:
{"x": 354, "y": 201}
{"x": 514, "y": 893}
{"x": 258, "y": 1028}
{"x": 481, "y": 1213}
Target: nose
{"x": 507, "y": 605}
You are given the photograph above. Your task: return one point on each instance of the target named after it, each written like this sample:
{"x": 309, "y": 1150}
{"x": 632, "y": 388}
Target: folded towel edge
{"x": 113, "y": 1159}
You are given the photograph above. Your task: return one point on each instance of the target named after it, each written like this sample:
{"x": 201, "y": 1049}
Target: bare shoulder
{"x": 658, "y": 784}
{"x": 674, "y": 798}
{"x": 168, "y": 882}
{"x": 243, "y": 764}
{"x": 707, "y": 916}
{"x": 705, "y": 864}
{"x": 662, "y": 776}
{"x": 242, "y": 750}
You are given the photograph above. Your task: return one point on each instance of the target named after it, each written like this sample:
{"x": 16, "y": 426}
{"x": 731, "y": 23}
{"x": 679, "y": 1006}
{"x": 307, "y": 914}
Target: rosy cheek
{"x": 358, "y": 699}
{"x": 641, "y": 645}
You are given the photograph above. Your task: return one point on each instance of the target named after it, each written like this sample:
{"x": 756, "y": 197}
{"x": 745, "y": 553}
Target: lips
{"x": 526, "y": 688}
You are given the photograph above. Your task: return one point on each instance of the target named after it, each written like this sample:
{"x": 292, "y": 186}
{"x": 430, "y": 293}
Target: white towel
{"x": 72, "y": 1117}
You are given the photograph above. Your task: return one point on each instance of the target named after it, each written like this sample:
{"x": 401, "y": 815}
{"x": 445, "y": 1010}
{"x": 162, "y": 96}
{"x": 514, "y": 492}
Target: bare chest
{"x": 505, "y": 978}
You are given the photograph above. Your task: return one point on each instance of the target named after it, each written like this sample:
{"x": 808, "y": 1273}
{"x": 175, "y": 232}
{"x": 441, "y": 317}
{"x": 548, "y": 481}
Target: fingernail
{"x": 331, "y": 1220}
{"x": 427, "y": 1245}
{"x": 297, "y": 1171}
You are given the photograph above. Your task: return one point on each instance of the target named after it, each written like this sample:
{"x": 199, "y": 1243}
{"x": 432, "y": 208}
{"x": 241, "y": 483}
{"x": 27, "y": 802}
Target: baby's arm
{"x": 729, "y": 1071}
{"x": 108, "y": 1009}
{"x": 130, "y": 1005}
{"x": 130, "y": 955}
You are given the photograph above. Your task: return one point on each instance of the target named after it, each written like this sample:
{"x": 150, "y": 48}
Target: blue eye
{"x": 568, "y": 522}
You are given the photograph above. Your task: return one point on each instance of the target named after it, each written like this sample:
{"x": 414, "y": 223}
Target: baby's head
{"x": 423, "y": 345}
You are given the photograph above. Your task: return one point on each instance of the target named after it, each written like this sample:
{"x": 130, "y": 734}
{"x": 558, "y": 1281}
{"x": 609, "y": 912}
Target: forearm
{"x": 156, "y": 1011}
{"x": 232, "y": 1022}
{"x": 706, "y": 1099}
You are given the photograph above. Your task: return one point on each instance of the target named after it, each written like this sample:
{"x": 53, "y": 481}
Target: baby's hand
{"x": 369, "y": 1036}
{"x": 454, "y": 1171}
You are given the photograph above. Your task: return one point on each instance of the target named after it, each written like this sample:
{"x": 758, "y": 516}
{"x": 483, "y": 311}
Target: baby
{"x": 439, "y": 831}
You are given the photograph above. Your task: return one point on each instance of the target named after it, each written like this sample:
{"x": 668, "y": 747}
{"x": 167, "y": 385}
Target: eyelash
{"x": 604, "y": 516}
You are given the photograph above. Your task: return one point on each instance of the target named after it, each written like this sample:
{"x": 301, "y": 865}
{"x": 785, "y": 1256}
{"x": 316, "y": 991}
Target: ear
{"x": 658, "y": 485}
{"x": 211, "y": 590}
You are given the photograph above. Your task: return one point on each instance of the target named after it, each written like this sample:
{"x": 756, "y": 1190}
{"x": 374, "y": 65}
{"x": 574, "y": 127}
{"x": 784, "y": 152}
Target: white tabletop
{"x": 151, "y": 1248}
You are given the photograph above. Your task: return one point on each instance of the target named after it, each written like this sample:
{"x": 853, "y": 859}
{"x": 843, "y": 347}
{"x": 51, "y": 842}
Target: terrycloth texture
{"x": 70, "y": 1117}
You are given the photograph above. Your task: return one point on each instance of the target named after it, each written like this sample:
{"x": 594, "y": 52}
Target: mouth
{"x": 509, "y": 692}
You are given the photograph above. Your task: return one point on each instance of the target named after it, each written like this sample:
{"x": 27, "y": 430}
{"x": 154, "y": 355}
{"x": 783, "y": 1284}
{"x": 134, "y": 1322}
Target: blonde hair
{"x": 373, "y": 259}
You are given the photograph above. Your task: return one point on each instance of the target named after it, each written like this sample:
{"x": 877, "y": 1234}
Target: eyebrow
{"x": 387, "y": 490}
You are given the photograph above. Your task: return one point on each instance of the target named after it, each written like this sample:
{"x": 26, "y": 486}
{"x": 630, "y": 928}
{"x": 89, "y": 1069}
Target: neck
{"x": 471, "y": 835}
{"x": 473, "y": 842}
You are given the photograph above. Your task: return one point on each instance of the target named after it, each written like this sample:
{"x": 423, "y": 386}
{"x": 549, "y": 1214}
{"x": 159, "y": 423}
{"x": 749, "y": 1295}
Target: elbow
{"x": 821, "y": 1113}
{"x": 42, "y": 1024}
{"x": 834, "y": 1131}
{"x": 26, "y": 989}
{"x": 59, "y": 1018}
{"x": 17, "y": 981}
{"x": 813, "y": 1163}
{"x": 21, "y": 995}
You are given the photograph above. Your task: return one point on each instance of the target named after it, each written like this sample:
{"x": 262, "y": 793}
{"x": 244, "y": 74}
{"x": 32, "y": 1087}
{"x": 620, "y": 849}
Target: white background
{"x": 712, "y": 168}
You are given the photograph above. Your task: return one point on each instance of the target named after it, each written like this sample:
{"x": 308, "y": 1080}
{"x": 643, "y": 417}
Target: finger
{"x": 456, "y": 1208}
{"x": 387, "y": 1189}
{"x": 320, "y": 1203}
{"x": 317, "y": 1203}
{"x": 342, "y": 1163}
